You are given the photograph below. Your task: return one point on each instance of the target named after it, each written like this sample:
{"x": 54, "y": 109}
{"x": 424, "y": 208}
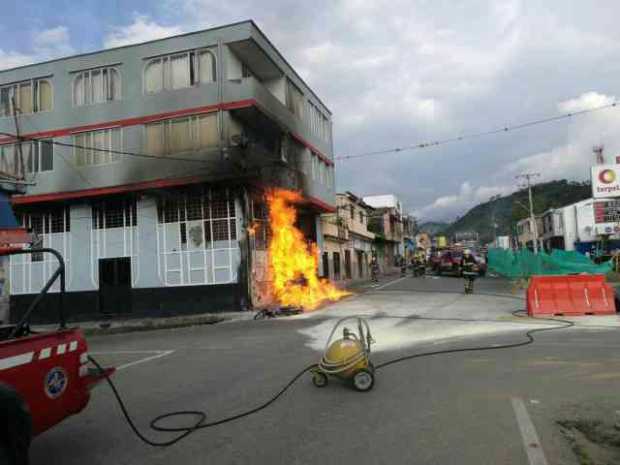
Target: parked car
{"x": 447, "y": 261}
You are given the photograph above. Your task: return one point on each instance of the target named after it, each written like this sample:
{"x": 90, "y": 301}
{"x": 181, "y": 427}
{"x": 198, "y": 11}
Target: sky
{"x": 396, "y": 73}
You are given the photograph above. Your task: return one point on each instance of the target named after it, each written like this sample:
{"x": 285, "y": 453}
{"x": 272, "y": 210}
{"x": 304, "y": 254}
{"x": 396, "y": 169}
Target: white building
{"x": 384, "y": 201}
{"x": 586, "y": 221}
{"x": 501, "y": 242}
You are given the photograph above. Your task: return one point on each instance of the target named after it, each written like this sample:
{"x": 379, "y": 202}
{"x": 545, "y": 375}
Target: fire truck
{"x": 44, "y": 376}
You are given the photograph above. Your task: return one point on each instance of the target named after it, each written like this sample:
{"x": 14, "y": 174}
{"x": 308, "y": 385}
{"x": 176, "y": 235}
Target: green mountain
{"x": 506, "y": 211}
{"x": 433, "y": 227}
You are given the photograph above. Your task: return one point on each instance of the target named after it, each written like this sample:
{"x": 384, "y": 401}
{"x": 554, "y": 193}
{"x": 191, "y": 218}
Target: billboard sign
{"x": 605, "y": 181}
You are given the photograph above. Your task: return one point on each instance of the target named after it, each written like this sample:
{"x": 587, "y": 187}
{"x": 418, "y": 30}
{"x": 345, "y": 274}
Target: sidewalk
{"x": 108, "y": 326}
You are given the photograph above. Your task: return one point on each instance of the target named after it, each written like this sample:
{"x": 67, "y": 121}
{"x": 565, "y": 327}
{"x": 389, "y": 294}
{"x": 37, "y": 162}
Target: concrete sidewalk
{"x": 111, "y": 326}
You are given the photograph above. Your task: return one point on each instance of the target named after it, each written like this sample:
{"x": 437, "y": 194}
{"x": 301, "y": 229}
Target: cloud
{"x": 54, "y": 42}
{"x": 447, "y": 207}
{"x": 569, "y": 160}
{"x": 14, "y": 59}
{"x": 586, "y": 101}
{"x": 45, "y": 45}
{"x": 399, "y": 72}
{"x": 142, "y": 29}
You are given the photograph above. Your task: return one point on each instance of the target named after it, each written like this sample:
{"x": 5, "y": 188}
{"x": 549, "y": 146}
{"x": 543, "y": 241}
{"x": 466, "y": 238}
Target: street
{"x": 482, "y": 407}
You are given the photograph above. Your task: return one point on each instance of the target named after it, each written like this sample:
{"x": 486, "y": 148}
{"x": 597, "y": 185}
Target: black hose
{"x": 201, "y": 416}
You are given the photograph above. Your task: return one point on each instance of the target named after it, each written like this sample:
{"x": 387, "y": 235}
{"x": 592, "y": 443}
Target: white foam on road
{"x": 393, "y": 322}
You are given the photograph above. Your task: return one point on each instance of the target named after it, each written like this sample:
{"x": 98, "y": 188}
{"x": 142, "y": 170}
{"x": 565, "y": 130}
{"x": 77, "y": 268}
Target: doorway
{"x": 115, "y": 285}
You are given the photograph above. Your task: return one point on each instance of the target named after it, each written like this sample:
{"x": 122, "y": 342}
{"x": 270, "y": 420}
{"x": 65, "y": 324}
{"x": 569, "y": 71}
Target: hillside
{"x": 432, "y": 227}
{"x": 512, "y": 208}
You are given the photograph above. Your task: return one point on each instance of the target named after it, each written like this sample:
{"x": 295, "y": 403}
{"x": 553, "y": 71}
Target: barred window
{"x": 216, "y": 208}
{"x": 53, "y": 220}
{"x": 117, "y": 213}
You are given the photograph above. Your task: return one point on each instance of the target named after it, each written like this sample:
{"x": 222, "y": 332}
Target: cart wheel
{"x": 319, "y": 379}
{"x": 364, "y": 380}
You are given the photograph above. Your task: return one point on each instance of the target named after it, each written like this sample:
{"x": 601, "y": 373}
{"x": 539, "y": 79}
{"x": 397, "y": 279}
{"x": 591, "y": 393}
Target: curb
{"x": 150, "y": 325}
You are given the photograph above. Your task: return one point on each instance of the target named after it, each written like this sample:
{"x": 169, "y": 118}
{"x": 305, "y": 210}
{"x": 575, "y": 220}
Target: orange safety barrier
{"x": 583, "y": 294}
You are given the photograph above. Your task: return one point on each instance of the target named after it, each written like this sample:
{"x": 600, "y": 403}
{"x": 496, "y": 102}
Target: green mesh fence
{"x": 524, "y": 263}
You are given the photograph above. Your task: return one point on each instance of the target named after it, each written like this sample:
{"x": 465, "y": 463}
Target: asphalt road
{"x": 460, "y": 408}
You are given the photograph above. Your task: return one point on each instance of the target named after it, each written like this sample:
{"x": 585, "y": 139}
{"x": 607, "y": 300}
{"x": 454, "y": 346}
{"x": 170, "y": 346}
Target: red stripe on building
{"x": 157, "y": 117}
{"x": 136, "y": 120}
{"x": 304, "y": 142}
{"x": 320, "y": 205}
{"x": 100, "y": 191}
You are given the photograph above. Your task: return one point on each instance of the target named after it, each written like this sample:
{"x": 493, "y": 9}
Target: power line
{"x": 424, "y": 145}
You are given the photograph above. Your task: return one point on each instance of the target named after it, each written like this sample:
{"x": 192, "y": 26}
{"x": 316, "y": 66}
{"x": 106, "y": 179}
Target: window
{"x": 54, "y": 220}
{"x": 245, "y": 71}
{"x": 317, "y": 121}
{"x": 96, "y": 86}
{"x": 179, "y": 71}
{"x": 30, "y": 96}
{"x": 315, "y": 167}
{"x": 93, "y": 147}
{"x": 9, "y": 162}
{"x": 352, "y": 211}
{"x": 361, "y": 217}
{"x": 181, "y": 135}
{"x": 294, "y": 99}
{"x": 114, "y": 213}
{"x": 216, "y": 208}
{"x": 336, "y": 260}
{"x": 37, "y": 157}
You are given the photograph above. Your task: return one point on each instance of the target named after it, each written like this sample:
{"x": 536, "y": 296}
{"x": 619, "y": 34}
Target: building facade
{"x": 150, "y": 163}
{"x": 525, "y": 233}
{"x": 552, "y": 232}
{"x": 347, "y": 242}
{"x": 589, "y": 222}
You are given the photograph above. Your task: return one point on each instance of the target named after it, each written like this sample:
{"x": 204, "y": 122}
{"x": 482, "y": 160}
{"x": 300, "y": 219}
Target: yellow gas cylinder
{"x": 344, "y": 357}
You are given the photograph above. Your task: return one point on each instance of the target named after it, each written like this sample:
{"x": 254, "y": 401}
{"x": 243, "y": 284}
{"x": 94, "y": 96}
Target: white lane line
{"x": 156, "y": 354}
{"x": 390, "y": 283}
{"x": 143, "y": 360}
{"x": 532, "y": 445}
{"x": 104, "y": 352}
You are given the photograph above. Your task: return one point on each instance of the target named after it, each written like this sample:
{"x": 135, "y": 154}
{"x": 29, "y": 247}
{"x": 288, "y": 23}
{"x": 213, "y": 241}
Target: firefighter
{"x": 469, "y": 269}
{"x": 374, "y": 269}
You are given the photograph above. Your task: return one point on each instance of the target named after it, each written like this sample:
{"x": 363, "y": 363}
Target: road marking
{"x": 157, "y": 354}
{"x": 390, "y": 283}
{"x": 531, "y": 443}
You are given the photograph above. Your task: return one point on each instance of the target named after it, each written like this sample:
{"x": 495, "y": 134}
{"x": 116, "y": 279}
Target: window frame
{"x": 35, "y": 96}
{"x": 91, "y": 144}
{"x": 193, "y": 69}
{"x": 194, "y": 132}
{"x": 101, "y": 69}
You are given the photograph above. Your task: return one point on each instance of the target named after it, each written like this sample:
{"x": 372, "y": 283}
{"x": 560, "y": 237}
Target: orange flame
{"x": 294, "y": 263}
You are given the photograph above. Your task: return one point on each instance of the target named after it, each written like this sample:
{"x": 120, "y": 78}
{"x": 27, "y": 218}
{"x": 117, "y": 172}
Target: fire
{"x": 294, "y": 263}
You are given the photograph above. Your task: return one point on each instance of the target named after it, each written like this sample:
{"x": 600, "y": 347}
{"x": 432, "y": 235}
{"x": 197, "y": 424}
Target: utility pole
{"x": 528, "y": 182}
